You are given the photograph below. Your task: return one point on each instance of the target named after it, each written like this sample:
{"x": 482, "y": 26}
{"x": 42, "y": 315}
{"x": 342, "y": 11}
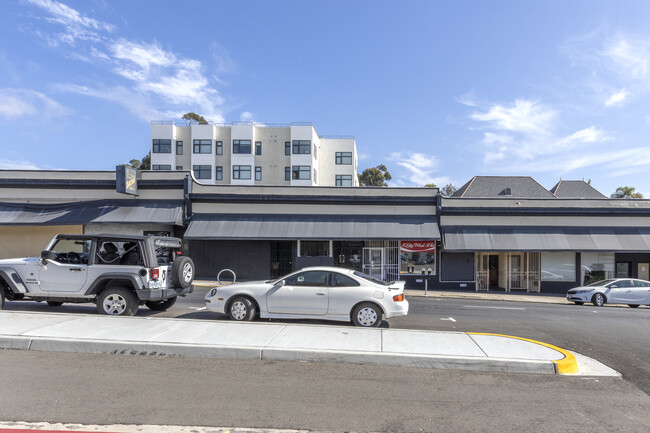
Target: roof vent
{"x": 506, "y": 191}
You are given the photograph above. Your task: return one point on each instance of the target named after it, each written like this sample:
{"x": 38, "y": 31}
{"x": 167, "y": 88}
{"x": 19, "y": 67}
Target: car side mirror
{"x": 48, "y": 255}
{"x": 280, "y": 283}
{"x": 613, "y": 286}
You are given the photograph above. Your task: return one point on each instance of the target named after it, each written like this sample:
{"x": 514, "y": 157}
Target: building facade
{"x": 249, "y": 153}
{"x": 494, "y": 234}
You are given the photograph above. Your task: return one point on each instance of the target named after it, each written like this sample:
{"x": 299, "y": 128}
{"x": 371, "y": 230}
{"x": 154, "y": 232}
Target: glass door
{"x": 373, "y": 259}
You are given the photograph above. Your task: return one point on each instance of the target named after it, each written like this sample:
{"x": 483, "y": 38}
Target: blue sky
{"x": 437, "y": 91}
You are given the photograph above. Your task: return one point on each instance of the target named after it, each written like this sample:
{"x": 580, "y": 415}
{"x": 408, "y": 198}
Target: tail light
{"x": 154, "y": 274}
{"x": 398, "y": 298}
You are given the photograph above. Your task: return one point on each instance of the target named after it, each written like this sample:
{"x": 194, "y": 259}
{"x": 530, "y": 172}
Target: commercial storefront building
{"x": 496, "y": 233}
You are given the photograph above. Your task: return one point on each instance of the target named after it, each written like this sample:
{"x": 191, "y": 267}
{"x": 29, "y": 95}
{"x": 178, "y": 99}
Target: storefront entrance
{"x": 508, "y": 271}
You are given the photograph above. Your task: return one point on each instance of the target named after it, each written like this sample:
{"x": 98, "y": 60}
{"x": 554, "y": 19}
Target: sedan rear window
{"x": 372, "y": 279}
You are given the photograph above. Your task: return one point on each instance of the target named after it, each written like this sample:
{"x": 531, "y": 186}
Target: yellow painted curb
{"x": 567, "y": 365}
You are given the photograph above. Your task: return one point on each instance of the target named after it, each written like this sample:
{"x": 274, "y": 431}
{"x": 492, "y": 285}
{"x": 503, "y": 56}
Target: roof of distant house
{"x": 575, "y": 189}
{"x": 503, "y": 187}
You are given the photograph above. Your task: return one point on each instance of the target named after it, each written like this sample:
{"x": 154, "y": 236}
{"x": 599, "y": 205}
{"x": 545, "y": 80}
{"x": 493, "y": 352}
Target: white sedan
{"x": 628, "y": 291}
{"x": 325, "y": 293}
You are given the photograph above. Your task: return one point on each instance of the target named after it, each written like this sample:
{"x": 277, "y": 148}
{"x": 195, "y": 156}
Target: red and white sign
{"x": 417, "y": 246}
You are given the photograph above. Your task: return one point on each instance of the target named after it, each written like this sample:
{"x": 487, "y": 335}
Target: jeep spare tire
{"x": 182, "y": 272}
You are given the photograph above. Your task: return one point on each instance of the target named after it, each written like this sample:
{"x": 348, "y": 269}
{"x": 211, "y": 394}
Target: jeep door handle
{"x": 75, "y": 269}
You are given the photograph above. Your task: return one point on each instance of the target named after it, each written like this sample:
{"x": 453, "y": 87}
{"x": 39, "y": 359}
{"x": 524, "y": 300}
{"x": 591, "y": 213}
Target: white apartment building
{"x": 250, "y": 153}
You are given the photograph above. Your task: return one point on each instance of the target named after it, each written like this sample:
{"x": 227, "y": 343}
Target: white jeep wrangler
{"x": 116, "y": 272}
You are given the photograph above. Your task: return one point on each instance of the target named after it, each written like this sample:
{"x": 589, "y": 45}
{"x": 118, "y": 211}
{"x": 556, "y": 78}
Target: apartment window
{"x": 219, "y": 173}
{"x": 179, "y": 148}
{"x": 258, "y": 148}
{"x": 301, "y": 172}
{"x": 343, "y": 180}
{"x": 241, "y": 146}
{"x": 202, "y": 146}
{"x": 301, "y": 147}
{"x": 241, "y": 171}
{"x": 343, "y": 158}
{"x": 202, "y": 171}
{"x": 179, "y": 167}
{"x": 258, "y": 173}
{"x": 287, "y": 148}
{"x": 161, "y": 166}
{"x": 287, "y": 173}
{"x": 162, "y": 146}
{"x": 219, "y": 148}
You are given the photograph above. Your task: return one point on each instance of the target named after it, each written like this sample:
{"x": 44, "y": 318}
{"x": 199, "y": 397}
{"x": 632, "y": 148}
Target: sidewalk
{"x": 154, "y": 336}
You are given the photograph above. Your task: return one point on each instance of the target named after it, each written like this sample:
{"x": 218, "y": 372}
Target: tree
{"x": 626, "y": 192}
{"x": 145, "y": 164}
{"x": 430, "y": 185}
{"x": 375, "y": 176}
{"x": 194, "y": 118}
{"x": 448, "y": 190}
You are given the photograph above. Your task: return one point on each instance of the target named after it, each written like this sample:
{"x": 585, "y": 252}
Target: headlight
{"x": 213, "y": 292}
{"x": 585, "y": 291}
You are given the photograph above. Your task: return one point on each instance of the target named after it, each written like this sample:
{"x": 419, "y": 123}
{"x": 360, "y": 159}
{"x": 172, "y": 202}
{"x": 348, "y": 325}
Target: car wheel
{"x": 367, "y": 315}
{"x": 117, "y": 301}
{"x": 161, "y": 305}
{"x": 598, "y": 300}
{"x": 578, "y": 302}
{"x": 54, "y": 303}
{"x": 2, "y": 297}
{"x": 241, "y": 309}
{"x": 182, "y": 272}
{"x": 633, "y": 305}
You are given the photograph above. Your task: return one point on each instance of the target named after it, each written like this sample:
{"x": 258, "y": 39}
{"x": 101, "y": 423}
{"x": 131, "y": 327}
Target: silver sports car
{"x": 326, "y": 293}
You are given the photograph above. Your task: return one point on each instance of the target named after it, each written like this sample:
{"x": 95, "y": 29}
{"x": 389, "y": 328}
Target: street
{"x": 109, "y": 389}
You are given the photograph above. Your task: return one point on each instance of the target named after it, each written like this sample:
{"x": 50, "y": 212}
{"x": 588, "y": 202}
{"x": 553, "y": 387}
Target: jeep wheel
{"x": 182, "y": 272}
{"x": 2, "y": 297}
{"x": 161, "y": 305}
{"x": 117, "y": 301}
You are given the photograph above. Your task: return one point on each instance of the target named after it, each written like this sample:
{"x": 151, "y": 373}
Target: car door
{"x": 304, "y": 293}
{"x": 69, "y": 271}
{"x": 640, "y": 294}
{"x": 619, "y": 291}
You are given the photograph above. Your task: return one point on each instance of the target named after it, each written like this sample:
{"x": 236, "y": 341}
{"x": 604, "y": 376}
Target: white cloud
{"x": 617, "y": 98}
{"x": 521, "y": 116}
{"x": 627, "y": 56}
{"x": 7, "y": 164}
{"x": 77, "y": 26}
{"x": 158, "y": 81}
{"x": 246, "y": 116}
{"x": 18, "y": 103}
{"x": 419, "y": 169}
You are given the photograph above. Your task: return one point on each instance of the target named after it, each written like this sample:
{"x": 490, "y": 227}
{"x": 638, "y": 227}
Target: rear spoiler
{"x": 397, "y": 285}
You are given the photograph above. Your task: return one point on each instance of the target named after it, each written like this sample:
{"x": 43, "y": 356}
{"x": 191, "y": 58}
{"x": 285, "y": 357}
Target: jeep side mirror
{"x": 48, "y": 255}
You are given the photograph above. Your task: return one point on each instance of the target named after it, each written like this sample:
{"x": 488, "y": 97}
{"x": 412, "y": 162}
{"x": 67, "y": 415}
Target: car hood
{"x": 18, "y": 262}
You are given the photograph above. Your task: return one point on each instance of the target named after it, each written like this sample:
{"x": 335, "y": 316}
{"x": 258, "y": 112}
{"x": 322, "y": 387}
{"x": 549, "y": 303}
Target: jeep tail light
{"x": 154, "y": 274}
{"x": 398, "y": 298}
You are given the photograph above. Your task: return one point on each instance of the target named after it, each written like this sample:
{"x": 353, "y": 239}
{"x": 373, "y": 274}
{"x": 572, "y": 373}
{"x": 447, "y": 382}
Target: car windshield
{"x": 373, "y": 279}
{"x": 601, "y": 283}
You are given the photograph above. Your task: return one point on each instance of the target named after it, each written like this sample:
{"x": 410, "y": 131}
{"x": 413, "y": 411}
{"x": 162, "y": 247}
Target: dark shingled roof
{"x": 575, "y": 189}
{"x": 503, "y": 187}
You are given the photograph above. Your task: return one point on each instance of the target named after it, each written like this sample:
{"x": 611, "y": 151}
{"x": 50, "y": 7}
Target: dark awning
{"x": 96, "y": 211}
{"x": 321, "y": 227}
{"x": 612, "y": 239}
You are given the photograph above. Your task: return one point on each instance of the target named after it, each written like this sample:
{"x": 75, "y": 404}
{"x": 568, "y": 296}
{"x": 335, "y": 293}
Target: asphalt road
{"x": 616, "y": 336}
{"x": 123, "y": 389}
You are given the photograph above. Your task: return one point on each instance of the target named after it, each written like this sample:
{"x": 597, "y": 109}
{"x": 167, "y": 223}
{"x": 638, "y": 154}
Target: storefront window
{"x": 314, "y": 248}
{"x": 596, "y": 266}
{"x": 558, "y": 266}
{"x": 623, "y": 270}
{"x": 416, "y": 256}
